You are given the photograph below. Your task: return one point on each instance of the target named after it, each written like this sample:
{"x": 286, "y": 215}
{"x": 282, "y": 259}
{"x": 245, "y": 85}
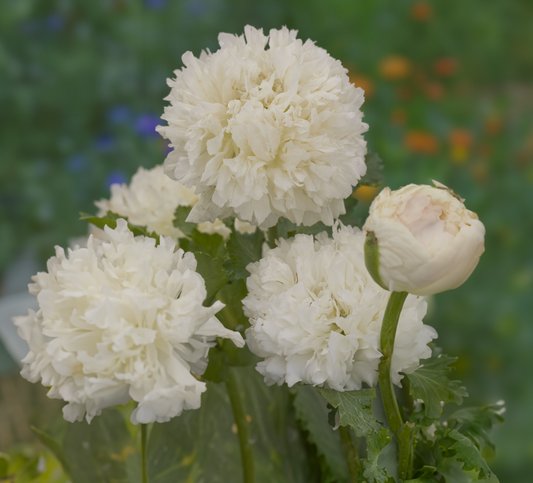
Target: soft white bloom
{"x": 151, "y": 200}
{"x": 316, "y": 315}
{"x": 264, "y": 132}
{"x": 427, "y": 240}
{"x": 121, "y": 319}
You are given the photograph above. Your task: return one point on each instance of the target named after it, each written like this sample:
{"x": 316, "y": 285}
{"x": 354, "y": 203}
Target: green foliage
{"x": 180, "y": 215}
{"x": 213, "y": 272}
{"x": 430, "y": 383}
{"x": 425, "y": 475}
{"x": 476, "y": 423}
{"x": 355, "y": 409}
{"x": 56, "y": 449}
{"x": 372, "y": 470}
{"x": 312, "y": 413}
{"x": 242, "y": 250}
{"x": 374, "y": 168}
{"x": 352, "y": 216}
{"x": 110, "y": 220}
{"x": 201, "y": 445}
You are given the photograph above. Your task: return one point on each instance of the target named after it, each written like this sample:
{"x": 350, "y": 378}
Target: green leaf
{"x": 4, "y": 465}
{"x": 312, "y": 412}
{"x": 376, "y": 442}
{"x": 354, "y": 409}
{"x": 431, "y": 384}
{"x": 374, "y": 167}
{"x": 202, "y": 445}
{"x": 425, "y": 475}
{"x": 232, "y": 315}
{"x": 242, "y": 250}
{"x": 110, "y": 220}
{"x": 213, "y": 272}
{"x": 100, "y": 451}
{"x": 217, "y": 367}
{"x": 476, "y": 423}
{"x": 54, "y": 447}
{"x": 180, "y": 215}
{"x": 351, "y": 217}
{"x": 466, "y": 452}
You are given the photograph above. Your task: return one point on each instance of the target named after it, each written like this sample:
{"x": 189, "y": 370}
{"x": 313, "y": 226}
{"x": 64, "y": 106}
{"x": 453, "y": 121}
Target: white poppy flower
{"x": 265, "y": 132}
{"x": 121, "y": 319}
{"x": 316, "y": 315}
{"x": 426, "y": 241}
{"x": 151, "y": 200}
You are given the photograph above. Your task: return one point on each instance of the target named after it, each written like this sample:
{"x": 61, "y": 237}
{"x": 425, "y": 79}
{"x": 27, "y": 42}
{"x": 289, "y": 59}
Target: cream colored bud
{"x": 427, "y": 241}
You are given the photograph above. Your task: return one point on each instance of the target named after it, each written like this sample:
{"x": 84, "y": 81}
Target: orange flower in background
{"x": 365, "y": 194}
{"x": 493, "y": 126}
{"x": 421, "y": 11}
{"x": 363, "y": 82}
{"x": 480, "y": 172}
{"x": 434, "y": 91}
{"x": 460, "y": 142}
{"x": 398, "y": 116}
{"x": 422, "y": 142}
{"x": 395, "y": 67}
{"x": 446, "y": 66}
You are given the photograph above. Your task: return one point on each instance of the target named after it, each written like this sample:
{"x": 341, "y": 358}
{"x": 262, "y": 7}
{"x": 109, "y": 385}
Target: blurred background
{"x": 449, "y": 97}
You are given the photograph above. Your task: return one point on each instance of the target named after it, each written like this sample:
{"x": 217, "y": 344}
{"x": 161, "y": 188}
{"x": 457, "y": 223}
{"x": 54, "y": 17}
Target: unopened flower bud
{"x": 422, "y": 240}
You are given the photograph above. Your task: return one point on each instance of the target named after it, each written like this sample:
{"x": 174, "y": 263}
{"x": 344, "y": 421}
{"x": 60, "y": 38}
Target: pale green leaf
{"x": 354, "y": 409}
{"x": 242, "y": 250}
{"x": 372, "y": 470}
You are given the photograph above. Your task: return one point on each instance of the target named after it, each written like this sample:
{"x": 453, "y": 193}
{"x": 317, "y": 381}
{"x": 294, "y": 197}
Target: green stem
{"x": 350, "y": 451}
{"x": 404, "y": 430}
{"x": 235, "y": 397}
{"x": 144, "y": 440}
{"x": 388, "y": 334}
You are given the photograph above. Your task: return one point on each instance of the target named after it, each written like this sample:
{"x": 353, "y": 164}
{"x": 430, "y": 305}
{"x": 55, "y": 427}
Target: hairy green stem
{"x": 404, "y": 431}
{"x": 350, "y": 451}
{"x": 144, "y": 440}
{"x": 388, "y": 334}
{"x": 235, "y": 396}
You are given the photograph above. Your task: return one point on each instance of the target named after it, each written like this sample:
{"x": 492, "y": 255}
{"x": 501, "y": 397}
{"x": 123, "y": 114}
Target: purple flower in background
{"x": 104, "y": 142}
{"x": 156, "y": 4}
{"x": 116, "y": 177}
{"x": 76, "y": 163}
{"x": 145, "y": 125}
{"x": 118, "y": 114}
{"x": 196, "y": 8}
{"x": 54, "y": 22}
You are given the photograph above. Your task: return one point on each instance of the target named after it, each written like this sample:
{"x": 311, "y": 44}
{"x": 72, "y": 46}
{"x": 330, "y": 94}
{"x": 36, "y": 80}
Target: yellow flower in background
{"x": 460, "y": 143}
{"x": 395, "y": 67}
{"x": 365, "y": 194}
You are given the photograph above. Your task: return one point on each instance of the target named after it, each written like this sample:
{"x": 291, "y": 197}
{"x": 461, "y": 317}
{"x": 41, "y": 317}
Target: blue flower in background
{"x": 76, "y": 163}
{"x": 118, "y": 114}
{"x": 116, "y": 177}
{"x": 104, "y": 142}
{"x": 196, "y": 8}
{"x": 156, "y": 4}
{"x": 54, "y": 22}
{"x": 145, "y": 125}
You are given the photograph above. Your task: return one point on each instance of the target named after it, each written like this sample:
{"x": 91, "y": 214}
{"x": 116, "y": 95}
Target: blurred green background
{"x": 449, "y": 97}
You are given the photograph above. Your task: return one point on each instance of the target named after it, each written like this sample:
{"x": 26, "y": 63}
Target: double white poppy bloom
{"x": 121, "y": 319}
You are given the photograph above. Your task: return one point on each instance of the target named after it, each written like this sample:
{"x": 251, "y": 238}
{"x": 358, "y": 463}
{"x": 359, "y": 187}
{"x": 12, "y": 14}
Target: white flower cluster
{"x": 265, "y": 132}
{"x": 121, "y": 319}
{"x": 316, "y": 315}
{"x": 151, "y": 200}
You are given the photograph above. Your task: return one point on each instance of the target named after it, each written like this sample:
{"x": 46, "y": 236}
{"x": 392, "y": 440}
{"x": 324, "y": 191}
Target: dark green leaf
{"x": 467, "y": 453}
{"x": 431, "y": 384}
{"x": 242, "y": 250}
{"x": 476, "y": 423}
{"x": 312, "y": 412}
{"x": 202, "y": 445}
{"x": 374, "y": 166}
{"x": 424, "y": 475}
{"x": 351, "y": 218}
{"x": 217, "y": 367}
{"x": 211, "y": 244}
{"x": 180, "y": 215}
{"x": 232, "y": 315}
{"x": 100, "y": 451}
{"x": 213, "y": 273}
{"x": 370, "y": 466}
{"x": 354, "y": 409}
{"x": 54, "y": 447}
{"x": 110, "y": 220}
{"x": 4, "y": 464}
